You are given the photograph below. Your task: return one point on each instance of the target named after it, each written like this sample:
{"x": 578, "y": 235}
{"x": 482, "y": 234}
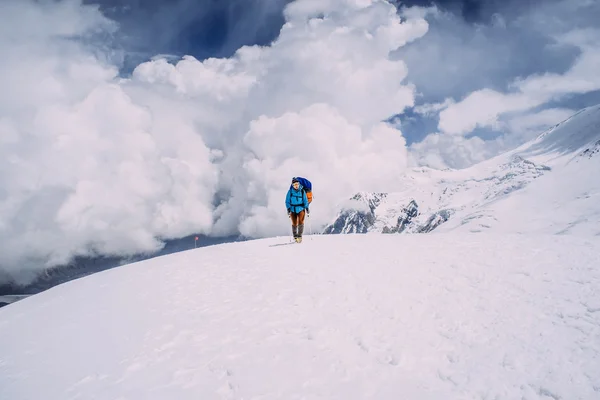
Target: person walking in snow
{"x": 296, "y": 203}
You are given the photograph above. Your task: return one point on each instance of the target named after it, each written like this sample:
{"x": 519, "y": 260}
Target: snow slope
{"x": 445, "y": 316}
{"x": 549, "y": 185}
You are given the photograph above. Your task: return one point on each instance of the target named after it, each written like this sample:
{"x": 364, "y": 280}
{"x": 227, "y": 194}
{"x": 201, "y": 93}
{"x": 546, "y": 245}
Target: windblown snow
{"x": 439, "y": 316}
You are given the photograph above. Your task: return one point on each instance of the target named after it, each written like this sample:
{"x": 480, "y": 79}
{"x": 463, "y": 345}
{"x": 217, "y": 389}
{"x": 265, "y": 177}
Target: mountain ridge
{"x": 454, "y": 198}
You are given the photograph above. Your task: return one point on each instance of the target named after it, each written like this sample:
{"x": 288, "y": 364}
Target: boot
{"x": 295, "y": 231}
{"x": 300, "y": 231}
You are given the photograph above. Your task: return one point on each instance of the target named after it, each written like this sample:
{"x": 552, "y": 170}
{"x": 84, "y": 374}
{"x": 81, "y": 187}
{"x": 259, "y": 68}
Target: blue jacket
{"x": 296, "y": 200}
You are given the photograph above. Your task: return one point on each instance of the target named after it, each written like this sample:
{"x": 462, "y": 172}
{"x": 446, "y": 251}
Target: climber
{"x": 297, "y": 203}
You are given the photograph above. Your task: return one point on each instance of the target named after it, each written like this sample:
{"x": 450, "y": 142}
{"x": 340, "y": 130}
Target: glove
{"x": 289, "y": 212}
{"x": 307, "y": 212}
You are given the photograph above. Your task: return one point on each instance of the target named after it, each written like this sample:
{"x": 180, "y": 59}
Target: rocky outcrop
{"x": 357, "y": 216}
{"x": 351, "y": 221}
{"x": 434, "y": 221}
{"x": 405, "y": 218}
{"x": 591, "y": 151}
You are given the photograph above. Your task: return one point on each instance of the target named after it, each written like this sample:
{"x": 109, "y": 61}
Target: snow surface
{"x": 440, "y": 316}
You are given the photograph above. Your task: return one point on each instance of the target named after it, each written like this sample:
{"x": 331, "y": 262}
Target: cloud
{"x": 442, "y": 151}
{"x": 532, "y": 124}
{"x": 433, "y": 108}
{"x": 457, "y": 57}
{"x": 511, "y": 78}
{"x": 94, "y": 163}
{"x": 482, "y": 108}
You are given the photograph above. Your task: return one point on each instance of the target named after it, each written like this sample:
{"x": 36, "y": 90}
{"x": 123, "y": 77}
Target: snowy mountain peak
{"x": 576, "y": 134}
{"x": 505, "y": 191}
{"x": 372, "y": 200}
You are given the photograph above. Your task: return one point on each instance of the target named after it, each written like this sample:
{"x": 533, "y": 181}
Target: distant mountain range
{"x": 549, "y": 185}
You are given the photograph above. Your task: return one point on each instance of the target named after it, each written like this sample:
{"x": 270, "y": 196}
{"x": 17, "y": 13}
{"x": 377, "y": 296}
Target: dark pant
{"x": 298, "y": 223}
